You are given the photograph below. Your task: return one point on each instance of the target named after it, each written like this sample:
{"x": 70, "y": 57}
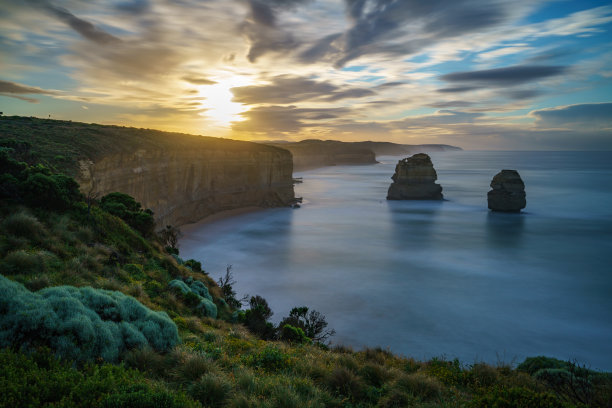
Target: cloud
{"x": 393, "y": 27}
{"x": 16, "y": 90}
{"x": 261, "y": 30}
{"x": 284, "y": 119}
{"x": 581, "y": 116}
{"x": 134, "y": 6}
{"x": 286, "y": 89}
{"x": 83, "y": 27}
{"x": 507, "y": 76}
{"x": 451, "y": 104}
{"x": 198, "y": 80}
{"x": 441, "y": 117}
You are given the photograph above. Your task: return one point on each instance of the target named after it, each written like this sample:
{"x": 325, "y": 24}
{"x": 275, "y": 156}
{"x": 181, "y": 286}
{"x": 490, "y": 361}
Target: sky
{"x": 479, "y": 74}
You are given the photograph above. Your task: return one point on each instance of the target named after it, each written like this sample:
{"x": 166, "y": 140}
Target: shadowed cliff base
{"x": 182, "y": 178}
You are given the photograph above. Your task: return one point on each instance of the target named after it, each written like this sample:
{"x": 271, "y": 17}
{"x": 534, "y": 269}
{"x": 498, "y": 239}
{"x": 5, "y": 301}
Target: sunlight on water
{"x": 438, "y": 278}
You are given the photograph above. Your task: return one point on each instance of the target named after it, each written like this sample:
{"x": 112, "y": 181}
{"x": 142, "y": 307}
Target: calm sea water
{"x": 446, "y": 278}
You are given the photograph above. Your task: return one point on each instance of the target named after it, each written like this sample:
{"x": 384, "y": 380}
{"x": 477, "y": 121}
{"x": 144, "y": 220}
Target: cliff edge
{"x": 182, "y": 178}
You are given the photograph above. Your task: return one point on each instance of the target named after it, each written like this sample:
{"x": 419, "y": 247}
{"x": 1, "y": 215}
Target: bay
{"x": 437, "y": 279}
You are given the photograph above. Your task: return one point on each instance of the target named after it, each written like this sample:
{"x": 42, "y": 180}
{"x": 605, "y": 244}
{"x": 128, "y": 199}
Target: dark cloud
{"x": 451, "y": 104}
{"x": 134, "y": 6}
{"x": 458, "y": 89}
{"x": 349, "y": 94}
{"x": 283, "y": 119}
{"x": 520, "y": 94}
{"x": 588, "y": 115}
{"x": 442, "y": 117}
{"x": 198, "y": 80}
{"x": 83, "y": 27}
{"x": 16, "y": 90}
{"x": 376, "y": 26}
{"x": 286, "y": 89}
{"x": 261, "y": 30}
{"x": 507, "y": 76}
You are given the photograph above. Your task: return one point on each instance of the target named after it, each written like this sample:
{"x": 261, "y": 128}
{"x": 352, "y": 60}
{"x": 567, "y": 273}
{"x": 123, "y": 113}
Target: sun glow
{"x": 218, "y": 100}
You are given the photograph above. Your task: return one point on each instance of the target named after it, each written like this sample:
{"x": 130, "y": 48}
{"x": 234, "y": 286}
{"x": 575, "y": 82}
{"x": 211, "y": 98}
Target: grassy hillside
{"x": 96, "y": 313}
{"x": 61, "y": 144}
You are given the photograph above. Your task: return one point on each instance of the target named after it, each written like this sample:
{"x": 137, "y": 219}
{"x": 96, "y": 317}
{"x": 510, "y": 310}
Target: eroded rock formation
{"x": 508, "y": 192}
{"x": 414, "y": 179}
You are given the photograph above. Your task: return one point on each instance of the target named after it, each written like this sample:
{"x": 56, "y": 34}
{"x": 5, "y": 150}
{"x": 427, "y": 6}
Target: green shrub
{"x": 212, "y": 390}
{"x": 345, "y": 382}
{"x": 40, "y": 379}
{"x": 142, "y": 396}
{"x": 420, "y": 385}
{"x": 57, "y": 191}
{"x": 374, "y": 374}
{"x": 515, "y": 397}
{"x": 81, "y": 323}
{"x": 293, "y": 335}
{"x": 195, "y": 294}
{"x": 22, "y": 262}
{"x": 22, "y": 224}
{"x": 533, "y": 364}
{"x": 270, "y": 358}
{"x": 135, "y": 271}
{"x": 129, "y": 210}
{"x": 483, "y": 375}
{"x": 194, "y": 265}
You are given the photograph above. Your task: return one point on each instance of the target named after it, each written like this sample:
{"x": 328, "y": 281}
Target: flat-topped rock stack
{"x": 508, "y": 194}
{"x": 414, "y": 179}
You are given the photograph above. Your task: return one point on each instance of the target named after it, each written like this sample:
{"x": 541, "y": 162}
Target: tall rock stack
{"x": 508, "y": 194}
{"x": 414, "y": 179}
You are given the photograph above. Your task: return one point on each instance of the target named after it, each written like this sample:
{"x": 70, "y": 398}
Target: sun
{"x": 218, "y": 100}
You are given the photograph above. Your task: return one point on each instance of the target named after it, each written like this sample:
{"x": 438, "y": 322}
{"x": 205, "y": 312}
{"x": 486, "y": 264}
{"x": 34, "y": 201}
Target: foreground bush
{"x": 80, "y": 323}
{"x": 40, "y": 379}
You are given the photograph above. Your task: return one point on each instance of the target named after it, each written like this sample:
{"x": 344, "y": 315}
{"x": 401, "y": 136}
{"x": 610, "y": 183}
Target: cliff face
{"x": 311, "y": 154}
{"x": 182, "y": 178}
{"x": 185, "y": 185}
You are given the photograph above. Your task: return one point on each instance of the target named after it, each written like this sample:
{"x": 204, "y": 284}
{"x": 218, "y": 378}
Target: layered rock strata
{"x": 414, "y": 179}
{"x": 508, "y": 192}
{"x": 182, "y": 178}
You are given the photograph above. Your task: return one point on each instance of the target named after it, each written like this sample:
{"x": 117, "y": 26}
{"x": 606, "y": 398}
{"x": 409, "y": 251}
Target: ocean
{"x": 445, "y": 279}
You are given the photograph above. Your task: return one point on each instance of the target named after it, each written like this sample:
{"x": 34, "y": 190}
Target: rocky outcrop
{"x": 508, "y": 192}
{"x": 185, "y": 185}
{"x": 414, "y": 179}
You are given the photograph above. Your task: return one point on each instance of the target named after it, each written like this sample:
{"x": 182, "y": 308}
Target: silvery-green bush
{"x": 195, "y": 287}
{"x": 81, "y": 323}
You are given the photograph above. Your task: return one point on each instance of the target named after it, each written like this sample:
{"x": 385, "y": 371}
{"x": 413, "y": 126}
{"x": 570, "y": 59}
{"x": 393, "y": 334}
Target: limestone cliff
{"x": 184, "y": 185}
{"x": 310, "y": 154}
{"x": 182, "y": 178}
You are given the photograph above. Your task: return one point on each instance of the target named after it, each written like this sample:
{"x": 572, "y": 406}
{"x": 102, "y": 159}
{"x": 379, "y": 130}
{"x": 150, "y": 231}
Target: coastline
{"x": 221, "y": 215}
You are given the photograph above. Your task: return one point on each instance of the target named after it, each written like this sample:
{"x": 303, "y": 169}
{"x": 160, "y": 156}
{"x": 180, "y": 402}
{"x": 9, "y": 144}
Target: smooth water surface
{"x": 442, "y": 278}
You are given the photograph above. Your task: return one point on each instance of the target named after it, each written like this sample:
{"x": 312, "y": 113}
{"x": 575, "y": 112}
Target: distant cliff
{"x": 182, "y": 178}
{"x": 312, "y": 153}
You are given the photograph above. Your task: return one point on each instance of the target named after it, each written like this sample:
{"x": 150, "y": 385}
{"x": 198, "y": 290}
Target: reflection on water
{"x": 430, "y": 278}
{"x": 505, "y": 230}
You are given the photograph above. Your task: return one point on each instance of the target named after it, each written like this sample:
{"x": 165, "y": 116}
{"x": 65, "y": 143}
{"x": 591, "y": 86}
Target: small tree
{"x": 313, "y": 324}
{"x": 169, "y": 237}
{"x": 256, "y": 318}
{"x": 229, "y": 294}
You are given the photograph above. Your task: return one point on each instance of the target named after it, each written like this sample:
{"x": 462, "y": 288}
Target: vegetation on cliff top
{"x": 95, "y": 313}
{"x": 60, "y": 144}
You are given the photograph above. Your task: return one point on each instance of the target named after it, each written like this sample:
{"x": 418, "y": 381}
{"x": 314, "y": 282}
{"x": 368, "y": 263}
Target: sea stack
{"x": 414, "y": 179}
{"x": 508, "y": 194}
